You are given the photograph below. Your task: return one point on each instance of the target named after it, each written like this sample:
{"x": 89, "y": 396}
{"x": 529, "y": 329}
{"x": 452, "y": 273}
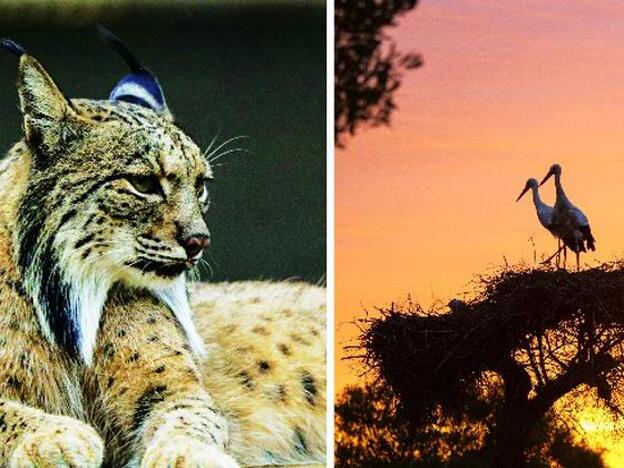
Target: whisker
{"x": 194, "y": 275}
{"x": 226, "y": 142}
{"x": 210, "y": 269}
{"x": 211, "y": 143}
{"x": 233, "y": 150}
{"x": 109, "y": 253}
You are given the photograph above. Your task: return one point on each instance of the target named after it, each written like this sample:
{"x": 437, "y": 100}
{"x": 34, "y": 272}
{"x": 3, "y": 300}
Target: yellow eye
{"x": 146, "y": 184}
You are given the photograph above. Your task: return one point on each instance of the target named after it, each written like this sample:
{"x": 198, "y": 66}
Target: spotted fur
{"x": 265, "y": 367}
{"x": 100, "y": 360}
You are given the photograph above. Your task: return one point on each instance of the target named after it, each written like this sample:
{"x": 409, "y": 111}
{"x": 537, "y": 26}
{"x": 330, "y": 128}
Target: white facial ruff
{"x": 88, "y": 286}
{"x": 88, "y": 291}
{"x": 176, "y": 298}
{"x": 87, "y": 299}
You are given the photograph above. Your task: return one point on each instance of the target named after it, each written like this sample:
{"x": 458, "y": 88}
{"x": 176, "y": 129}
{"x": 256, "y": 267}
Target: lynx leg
{"x": 40, "y": 395}
{"x": 147, "y": 389}
{"x": 30, "y": 437}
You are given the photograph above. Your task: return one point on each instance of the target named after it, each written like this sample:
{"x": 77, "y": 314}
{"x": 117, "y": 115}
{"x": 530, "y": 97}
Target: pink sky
{"x": 507, "y": 89}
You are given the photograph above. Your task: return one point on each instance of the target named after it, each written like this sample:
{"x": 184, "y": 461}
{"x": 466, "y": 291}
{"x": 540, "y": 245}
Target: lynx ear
{"x": 49, "y": 118}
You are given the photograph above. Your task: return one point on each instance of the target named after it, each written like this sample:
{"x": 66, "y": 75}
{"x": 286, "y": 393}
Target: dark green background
{"x": 234, "y": 71}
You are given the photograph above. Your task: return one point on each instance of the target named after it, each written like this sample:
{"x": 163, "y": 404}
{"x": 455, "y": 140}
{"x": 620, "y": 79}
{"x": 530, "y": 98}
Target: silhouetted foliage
{"x": 368, "y": 67}
{"x": 372, "y": 431}
{"x": 542, "y": 333}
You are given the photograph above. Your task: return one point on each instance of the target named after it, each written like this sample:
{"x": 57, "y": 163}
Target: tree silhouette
{"x": 371, "y": 431}
{"x": 543, "y": 334}
{"x": 368, "y": 67}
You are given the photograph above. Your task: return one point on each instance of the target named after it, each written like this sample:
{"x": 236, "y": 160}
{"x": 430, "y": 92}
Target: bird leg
{"x": 578, "y": 261}
{"x": 556, "y": 254}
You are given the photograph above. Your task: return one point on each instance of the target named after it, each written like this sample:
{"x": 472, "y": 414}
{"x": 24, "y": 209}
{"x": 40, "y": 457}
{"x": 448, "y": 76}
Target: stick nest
{"x": 433, "y": 357}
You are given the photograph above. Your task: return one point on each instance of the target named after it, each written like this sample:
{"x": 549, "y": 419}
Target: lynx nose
{"x": 195, "y": 243}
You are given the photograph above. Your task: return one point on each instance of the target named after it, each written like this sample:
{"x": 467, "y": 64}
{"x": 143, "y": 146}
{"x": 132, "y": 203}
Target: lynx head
{"x": 116, "y": 193}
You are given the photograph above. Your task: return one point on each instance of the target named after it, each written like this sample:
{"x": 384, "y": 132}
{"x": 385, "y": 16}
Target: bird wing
{"x": 583, "y": 226}
{"x": 545, "y": 216}
{"x": 587, "y": 235}
{"x": 574, "y": 244}
{"x": 579, "y": 216}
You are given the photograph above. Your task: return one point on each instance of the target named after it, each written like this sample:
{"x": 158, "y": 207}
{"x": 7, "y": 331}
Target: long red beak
{"x": 545, "y": 178}
{"x": 526, "y": 189}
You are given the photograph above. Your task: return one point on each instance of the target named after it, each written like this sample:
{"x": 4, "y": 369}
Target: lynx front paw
{"x": 59, "y": 442}
{"x": 182, "y": 452}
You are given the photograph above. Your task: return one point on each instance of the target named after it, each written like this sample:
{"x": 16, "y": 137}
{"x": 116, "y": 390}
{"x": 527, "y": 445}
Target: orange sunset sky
{"x": 507, "y": 89}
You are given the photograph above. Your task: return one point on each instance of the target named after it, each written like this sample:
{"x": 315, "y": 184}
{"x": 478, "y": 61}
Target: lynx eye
{"x": 147, "y": 184}
{"x": 202, "y": 189}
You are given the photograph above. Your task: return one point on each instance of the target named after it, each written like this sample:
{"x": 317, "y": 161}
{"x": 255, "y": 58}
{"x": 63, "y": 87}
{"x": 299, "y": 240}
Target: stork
{"x": 544, "y": 212}
{"x": 568, "y": 222}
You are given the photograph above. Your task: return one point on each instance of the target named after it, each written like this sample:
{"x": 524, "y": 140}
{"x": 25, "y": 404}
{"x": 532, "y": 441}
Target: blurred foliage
{"x": 368, "y": 67}
{"x": 372, "y": 431}
{"x": 73, "y": 13}
{"x": 254, "y": 72}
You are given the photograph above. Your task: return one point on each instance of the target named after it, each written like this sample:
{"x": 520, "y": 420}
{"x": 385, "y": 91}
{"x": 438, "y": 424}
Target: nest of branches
{"x": 561, "y": 328}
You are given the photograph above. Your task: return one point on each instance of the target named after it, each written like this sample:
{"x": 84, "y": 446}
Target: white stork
{"x": 568, "y": 222}
{"x": 544, "y": 211}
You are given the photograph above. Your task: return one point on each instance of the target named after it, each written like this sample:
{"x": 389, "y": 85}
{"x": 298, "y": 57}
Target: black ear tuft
{"x": 110, "y": 39}
{"x": 12, "y": 46}
{"x": 140, "y": 86}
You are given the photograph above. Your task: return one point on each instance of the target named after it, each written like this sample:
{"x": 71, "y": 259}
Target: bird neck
{"x": 561, "y": 196}
{"x": 537, "y": 201}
